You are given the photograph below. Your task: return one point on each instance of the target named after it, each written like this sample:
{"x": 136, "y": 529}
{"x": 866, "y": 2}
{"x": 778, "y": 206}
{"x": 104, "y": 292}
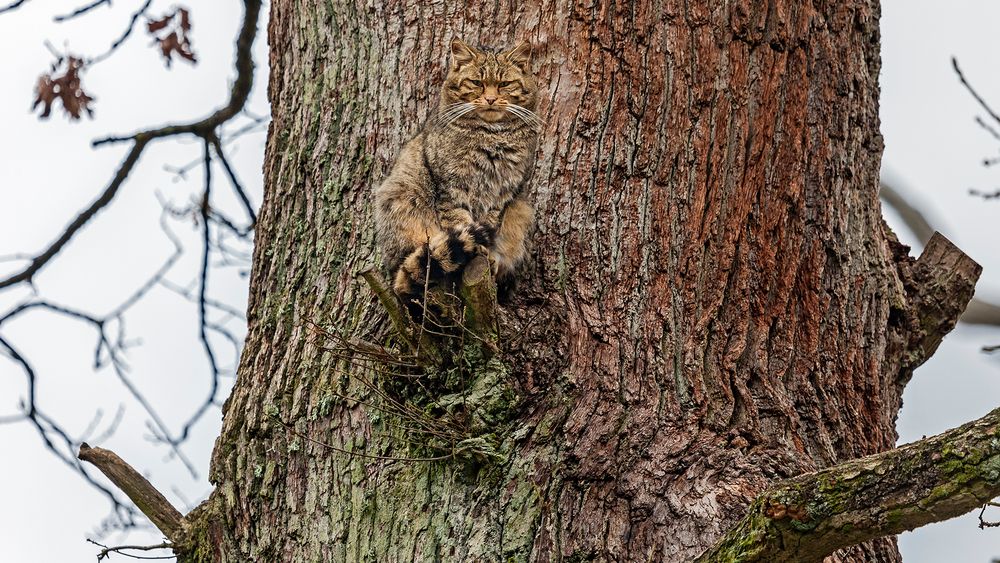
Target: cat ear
{"x": 461, "y": 54}
{"x": 520, "y": 55}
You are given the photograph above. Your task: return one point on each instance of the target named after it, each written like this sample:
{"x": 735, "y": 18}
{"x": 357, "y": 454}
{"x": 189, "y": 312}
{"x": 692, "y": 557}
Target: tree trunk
{"x": 712, "y": 301}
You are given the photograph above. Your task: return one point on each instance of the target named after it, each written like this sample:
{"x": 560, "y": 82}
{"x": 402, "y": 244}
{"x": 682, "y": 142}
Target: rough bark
{"x": 712, "y": 302}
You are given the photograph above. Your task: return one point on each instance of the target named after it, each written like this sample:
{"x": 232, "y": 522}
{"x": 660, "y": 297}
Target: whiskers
{"x": 529, "y": 117}
{"x": 452, "y": 112}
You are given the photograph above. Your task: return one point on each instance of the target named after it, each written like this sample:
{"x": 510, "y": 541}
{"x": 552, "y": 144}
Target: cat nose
{"x": 491, "y": 99}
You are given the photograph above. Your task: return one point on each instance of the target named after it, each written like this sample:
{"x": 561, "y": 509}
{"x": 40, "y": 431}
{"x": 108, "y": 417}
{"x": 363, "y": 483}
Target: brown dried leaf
{"x": 67, "y": 88}
{"x": 153, "y": 26}
{"x": 176, "y": 41}
{"x": 167, "y": 45}
{"x": 44, "y": 94}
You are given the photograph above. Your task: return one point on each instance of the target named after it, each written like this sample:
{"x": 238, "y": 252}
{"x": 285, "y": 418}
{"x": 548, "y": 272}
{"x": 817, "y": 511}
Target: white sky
{"x": 933, "y": 148}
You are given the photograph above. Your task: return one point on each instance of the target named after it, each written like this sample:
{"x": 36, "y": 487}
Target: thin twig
{"x": 364, "y": 455}
{"x": 202, "y": 291}
{"x": 237, "y": 187}
{"x": 985, "y": 523}
{"x": 81, "y": 10}
{"x": 12, "y": 6}
{"x": 106, "y": 551}
{"x": 125, "y": 35}
{"x": 982, "y": 102}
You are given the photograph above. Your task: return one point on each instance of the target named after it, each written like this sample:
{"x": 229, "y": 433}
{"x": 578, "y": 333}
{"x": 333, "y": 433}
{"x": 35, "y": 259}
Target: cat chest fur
{"x": 480, "y": 171}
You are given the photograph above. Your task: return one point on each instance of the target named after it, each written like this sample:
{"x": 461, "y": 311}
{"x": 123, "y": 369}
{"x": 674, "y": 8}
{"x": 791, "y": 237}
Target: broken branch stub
{"x": 150, "y": 501}
{"x": 479, "y": 294}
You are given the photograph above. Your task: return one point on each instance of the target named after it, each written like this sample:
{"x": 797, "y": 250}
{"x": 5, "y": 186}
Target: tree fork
{"x": 194, "y": 538}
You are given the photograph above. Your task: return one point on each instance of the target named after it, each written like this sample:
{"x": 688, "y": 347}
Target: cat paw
{"x": 470, "y": 240}
{"x": 483, "y": 235}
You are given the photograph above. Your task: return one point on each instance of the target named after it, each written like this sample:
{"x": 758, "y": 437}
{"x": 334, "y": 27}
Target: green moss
{"x": 197, "y": 545}
{"x": 891, "y": 517}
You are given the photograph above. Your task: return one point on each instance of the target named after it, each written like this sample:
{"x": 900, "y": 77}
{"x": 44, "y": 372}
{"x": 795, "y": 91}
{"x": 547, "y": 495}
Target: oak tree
{"x": 703, "y": 359}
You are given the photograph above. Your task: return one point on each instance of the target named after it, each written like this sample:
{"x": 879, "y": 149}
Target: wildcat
{"x": 457, "y": 189}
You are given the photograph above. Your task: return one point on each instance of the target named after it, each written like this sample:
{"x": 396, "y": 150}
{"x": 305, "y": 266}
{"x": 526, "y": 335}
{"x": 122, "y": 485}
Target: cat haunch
{"x": 457, "y": 189}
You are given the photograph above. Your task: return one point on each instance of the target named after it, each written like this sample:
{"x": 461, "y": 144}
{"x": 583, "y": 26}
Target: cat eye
{"x": 506, "y": 84}
{"x": 477, "y": 83}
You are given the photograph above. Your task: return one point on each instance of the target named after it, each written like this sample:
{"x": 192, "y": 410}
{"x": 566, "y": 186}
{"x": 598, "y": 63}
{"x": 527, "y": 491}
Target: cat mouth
{"x": 492, "y": 113}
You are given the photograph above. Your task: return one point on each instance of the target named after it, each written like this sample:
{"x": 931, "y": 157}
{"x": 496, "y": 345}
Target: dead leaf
{"x": 156, "y": 25}
{"x": 66, "y": 88}
{"x": 178, "y": 24}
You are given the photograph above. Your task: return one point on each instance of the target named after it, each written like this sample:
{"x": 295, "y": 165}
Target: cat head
{"x": 490, "y": 85}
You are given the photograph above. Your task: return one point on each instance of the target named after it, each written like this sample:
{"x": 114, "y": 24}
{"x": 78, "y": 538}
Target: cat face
{"x": 496, "y": 85}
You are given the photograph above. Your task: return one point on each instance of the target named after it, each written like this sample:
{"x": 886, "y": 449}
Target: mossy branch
{"x": 478, "y": 300}
{"x": 400, "y": 321}
{"x": 150, "y": 501}
{"x": 810, "y": 516}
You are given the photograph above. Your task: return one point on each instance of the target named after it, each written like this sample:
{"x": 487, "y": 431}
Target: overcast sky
{"x": 49, "y": 173}
{"x": 933, "y": 149}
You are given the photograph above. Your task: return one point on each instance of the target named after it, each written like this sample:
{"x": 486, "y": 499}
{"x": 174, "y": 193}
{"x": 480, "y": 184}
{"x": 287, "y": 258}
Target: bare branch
{"x": 106, "y": 551}
{"x": 46, "y": 428}
{"x": 257, "y": 124}
{"x": 203, "y": 128}
{"x": 12, "y": 6}
{"x": 121, "y": 38}
{"x": 39, "y": 261}
{"x": 982, "y": 102}
{"x": 186, "y": 294}
{"x": 400, "y": 320}
{"x": 203, "y": 289}
{"x": 809, "y": 517}
{"x": 82, "y": 10}
{"x": 111, "y": 343}
{"x": 983, "y": 523}
{"x": 995, "y": 194}
{"x": 993, "y": 132}
{"x": 150, "y": 501}
{"x": 113, "y": 350}
{"x": 237, "y": 187}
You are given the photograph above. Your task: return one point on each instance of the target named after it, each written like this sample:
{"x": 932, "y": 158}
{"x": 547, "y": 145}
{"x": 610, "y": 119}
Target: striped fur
{"x": 457, "y": 189}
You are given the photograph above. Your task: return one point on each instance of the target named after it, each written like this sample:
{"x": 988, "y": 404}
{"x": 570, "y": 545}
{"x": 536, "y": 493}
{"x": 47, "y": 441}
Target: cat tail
{"x": 438, "y": 263}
